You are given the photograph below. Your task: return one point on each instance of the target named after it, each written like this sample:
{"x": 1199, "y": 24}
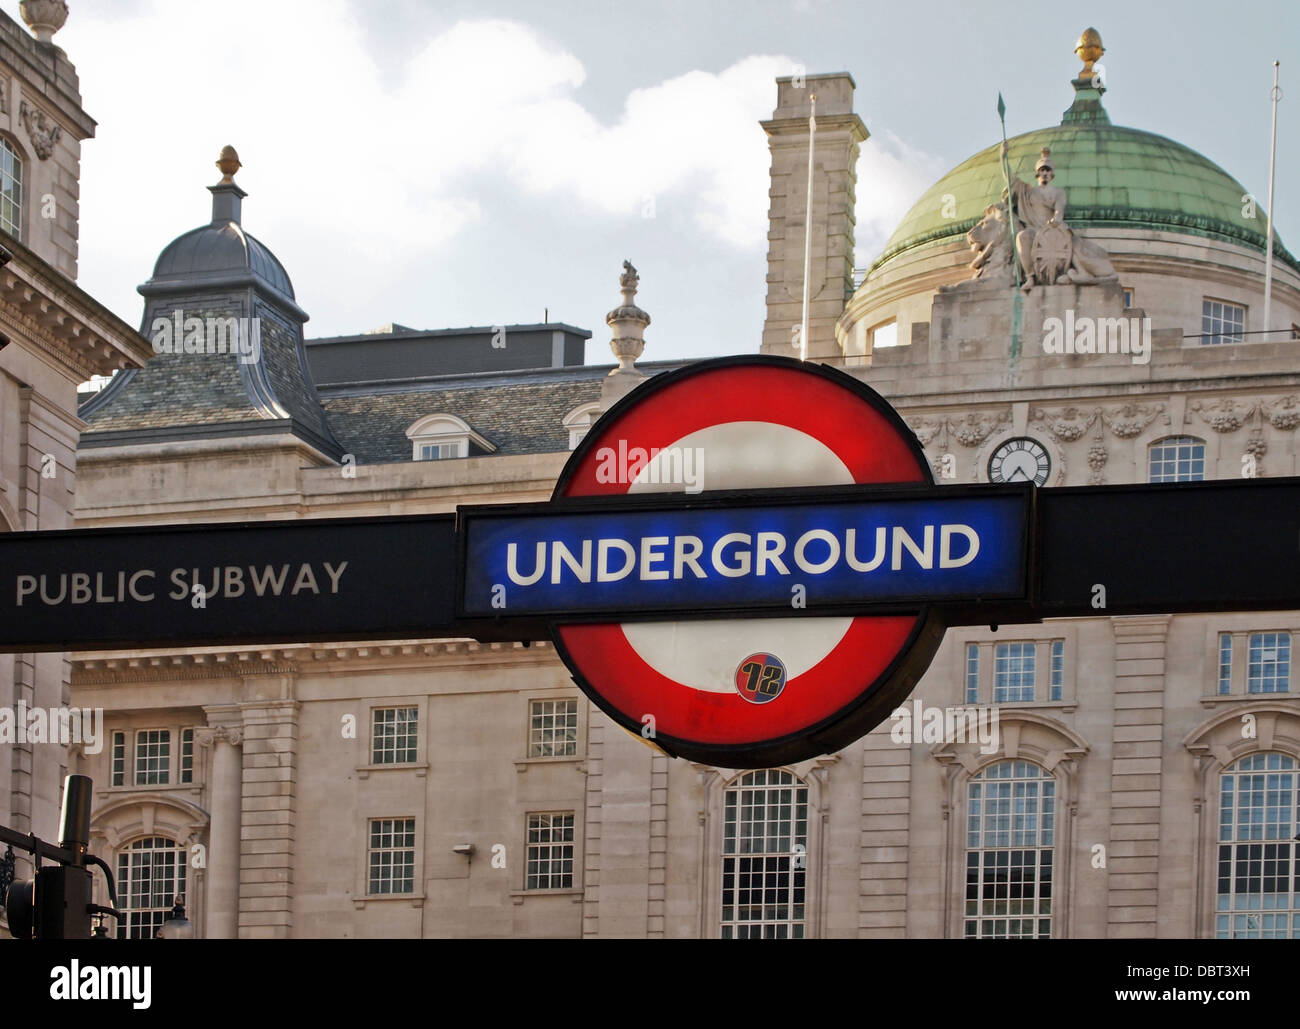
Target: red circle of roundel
{"x": 874, "y": 446}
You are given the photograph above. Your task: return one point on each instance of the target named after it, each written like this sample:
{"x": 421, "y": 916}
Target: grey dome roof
{"x": 218, "y": 251}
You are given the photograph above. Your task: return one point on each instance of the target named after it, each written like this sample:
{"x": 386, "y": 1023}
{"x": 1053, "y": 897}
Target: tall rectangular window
{"x": 1225, "y": 663}
{"x": 765, "y": 857}
{"x": 119, "y": 759}
{"x": 972, "y": 673}
{"x": 553, "y": 728}
{"x": 150, "y": 876}
{"x": 550, "y": 851}
{"x": 1013, "y": 673}
{"x": 11, "y": 190}
{"x": 1222, "y": 322}
{"x": 1258, "y": 895}
{"x": 392, "y": 855}
{"x": 1058, "y": 668}
{"x": 393, "y": 740}
{"x": 1269, "y": 663}
{"x": 153, "y": 757}
{"x": 1010, "y": 835}
{"x": 187, "y": 755}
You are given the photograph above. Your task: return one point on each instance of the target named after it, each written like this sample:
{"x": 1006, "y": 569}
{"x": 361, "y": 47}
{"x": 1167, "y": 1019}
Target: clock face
{"x": 1020, "y": 460}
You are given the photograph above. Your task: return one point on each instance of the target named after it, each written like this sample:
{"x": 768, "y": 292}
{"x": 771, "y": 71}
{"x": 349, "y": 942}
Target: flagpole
{"x": 1011, "y": 232}
{"x": 1006, "y": 179}
{"x": 807, "y": 230}
{"x": 1276, "y": 94}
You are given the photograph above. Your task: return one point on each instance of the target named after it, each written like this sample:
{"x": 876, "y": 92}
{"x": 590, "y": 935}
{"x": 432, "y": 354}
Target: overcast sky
{"x": 455, "y": 163}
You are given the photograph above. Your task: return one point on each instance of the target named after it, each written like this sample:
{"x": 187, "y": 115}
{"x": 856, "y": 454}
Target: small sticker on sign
{"x": 760, "y": 678}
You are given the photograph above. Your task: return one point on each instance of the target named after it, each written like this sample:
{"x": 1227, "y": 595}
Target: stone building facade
{"x": 1143, "y": 777}
{"x": 53, "y": 336}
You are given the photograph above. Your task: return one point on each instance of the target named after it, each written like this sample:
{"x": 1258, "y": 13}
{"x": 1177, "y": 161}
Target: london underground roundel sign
{"x": 748, "y": 692}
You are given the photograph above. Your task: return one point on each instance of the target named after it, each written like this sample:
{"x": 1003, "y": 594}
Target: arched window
{"x": 1010, "y": 836}
{"x": 150, "y": 875}
{"x": 1176, "y": 459}
{"x": 764, "y": 856}
{"x": 1258, "y": 894}
{"x": 11, "y": 190}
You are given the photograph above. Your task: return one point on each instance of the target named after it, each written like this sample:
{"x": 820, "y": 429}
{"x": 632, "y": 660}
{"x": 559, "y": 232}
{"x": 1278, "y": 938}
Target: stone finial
{"x": 226, "y": 194}
{"x": 44, "y": 17}
{"x": 228, "y": 164}
{"x": 1089, "y": 51}
{"x": 629, "y": 324}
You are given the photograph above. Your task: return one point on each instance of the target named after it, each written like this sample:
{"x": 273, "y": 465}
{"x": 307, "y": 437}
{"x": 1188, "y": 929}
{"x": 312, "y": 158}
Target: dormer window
{"x": 441, "y": 437}
{"x": 579, "y": 421}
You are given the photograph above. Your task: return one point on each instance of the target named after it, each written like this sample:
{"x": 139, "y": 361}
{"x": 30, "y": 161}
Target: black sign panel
{"x": 247, "y": 582}
{"x": 1230, "y": 545}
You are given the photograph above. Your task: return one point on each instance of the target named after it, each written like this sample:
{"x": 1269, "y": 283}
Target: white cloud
{"x": 347, "y": 164}
{"x": 892, "y": 176}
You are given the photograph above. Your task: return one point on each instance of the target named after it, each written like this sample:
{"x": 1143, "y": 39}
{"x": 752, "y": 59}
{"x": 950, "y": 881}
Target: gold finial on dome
{"x": 228, "y": 164}
{"x": 1089, "y": 51}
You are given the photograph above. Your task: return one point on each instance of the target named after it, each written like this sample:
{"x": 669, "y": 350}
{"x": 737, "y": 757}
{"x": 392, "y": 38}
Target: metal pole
{"x": 807, "y": 230}
{"x": 1276, "y": 94}
{"x": 1011, "y": 232}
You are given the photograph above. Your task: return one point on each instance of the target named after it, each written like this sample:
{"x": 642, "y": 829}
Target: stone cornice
{"x": 78, "y": 333}
{"x": 241, "y": 662}
{"x": 45, "y": 71}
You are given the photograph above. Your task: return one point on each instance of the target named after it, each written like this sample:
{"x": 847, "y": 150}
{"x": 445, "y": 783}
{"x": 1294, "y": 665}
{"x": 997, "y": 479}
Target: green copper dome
{"x": 1113, "y": 177}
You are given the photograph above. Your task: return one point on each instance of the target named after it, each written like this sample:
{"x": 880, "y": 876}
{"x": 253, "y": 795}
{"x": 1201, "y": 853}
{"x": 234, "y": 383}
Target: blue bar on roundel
{"x": 841, "y": 553}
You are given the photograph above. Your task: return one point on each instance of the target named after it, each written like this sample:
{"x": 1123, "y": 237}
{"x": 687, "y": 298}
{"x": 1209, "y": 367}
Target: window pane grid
{"x": 1269, "y": 663}
{"x": 1013, "y": 673}
{"x": 553, "y": 728}
{"x": 439, "y": 451}
{"x": 764, "y": 868}
{"x": 1225, "y": 663}
{"x": 394, "y": 735}
{"x": 1177, "y": 459}
{"x": 119, "y": 759}
{"x": 187, "y": 755}
{"x": 1058, "y": 668}
{"x": 150, "y": 875}
{"x": 1258, "y": 874}
{"x": 1222, "y": 322}
{"x": 392, "y": 855}
{"x": 1010, "y": 838}
{"x": 11, "y": 190}
{"x": 550, "y": 851}
{"x": 972, "y": 673}
{"x": 153, "y": 757}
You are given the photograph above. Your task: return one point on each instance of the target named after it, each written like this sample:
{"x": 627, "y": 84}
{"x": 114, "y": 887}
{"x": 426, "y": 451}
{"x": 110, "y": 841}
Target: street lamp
{"x": 176, "y": 926}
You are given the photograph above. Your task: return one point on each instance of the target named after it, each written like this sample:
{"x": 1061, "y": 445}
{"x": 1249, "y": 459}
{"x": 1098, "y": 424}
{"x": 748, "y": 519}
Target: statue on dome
{"x": 1048, "y": 251}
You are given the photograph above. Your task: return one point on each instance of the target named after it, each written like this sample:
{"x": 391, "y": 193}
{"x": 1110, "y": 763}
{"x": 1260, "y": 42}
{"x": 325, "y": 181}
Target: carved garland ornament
{"x": 975, "y": 429}
{"x": 1283, "y": 413}
{"x": 1130, "y": 419}
{"x": 44, "y": 132}
{"x": 1067, "y": 425}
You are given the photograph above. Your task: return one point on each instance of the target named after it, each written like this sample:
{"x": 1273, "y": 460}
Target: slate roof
{"x": 214, "y": 250}
{"x": 520, "y": 412}
{"x": 215, "y": 272}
